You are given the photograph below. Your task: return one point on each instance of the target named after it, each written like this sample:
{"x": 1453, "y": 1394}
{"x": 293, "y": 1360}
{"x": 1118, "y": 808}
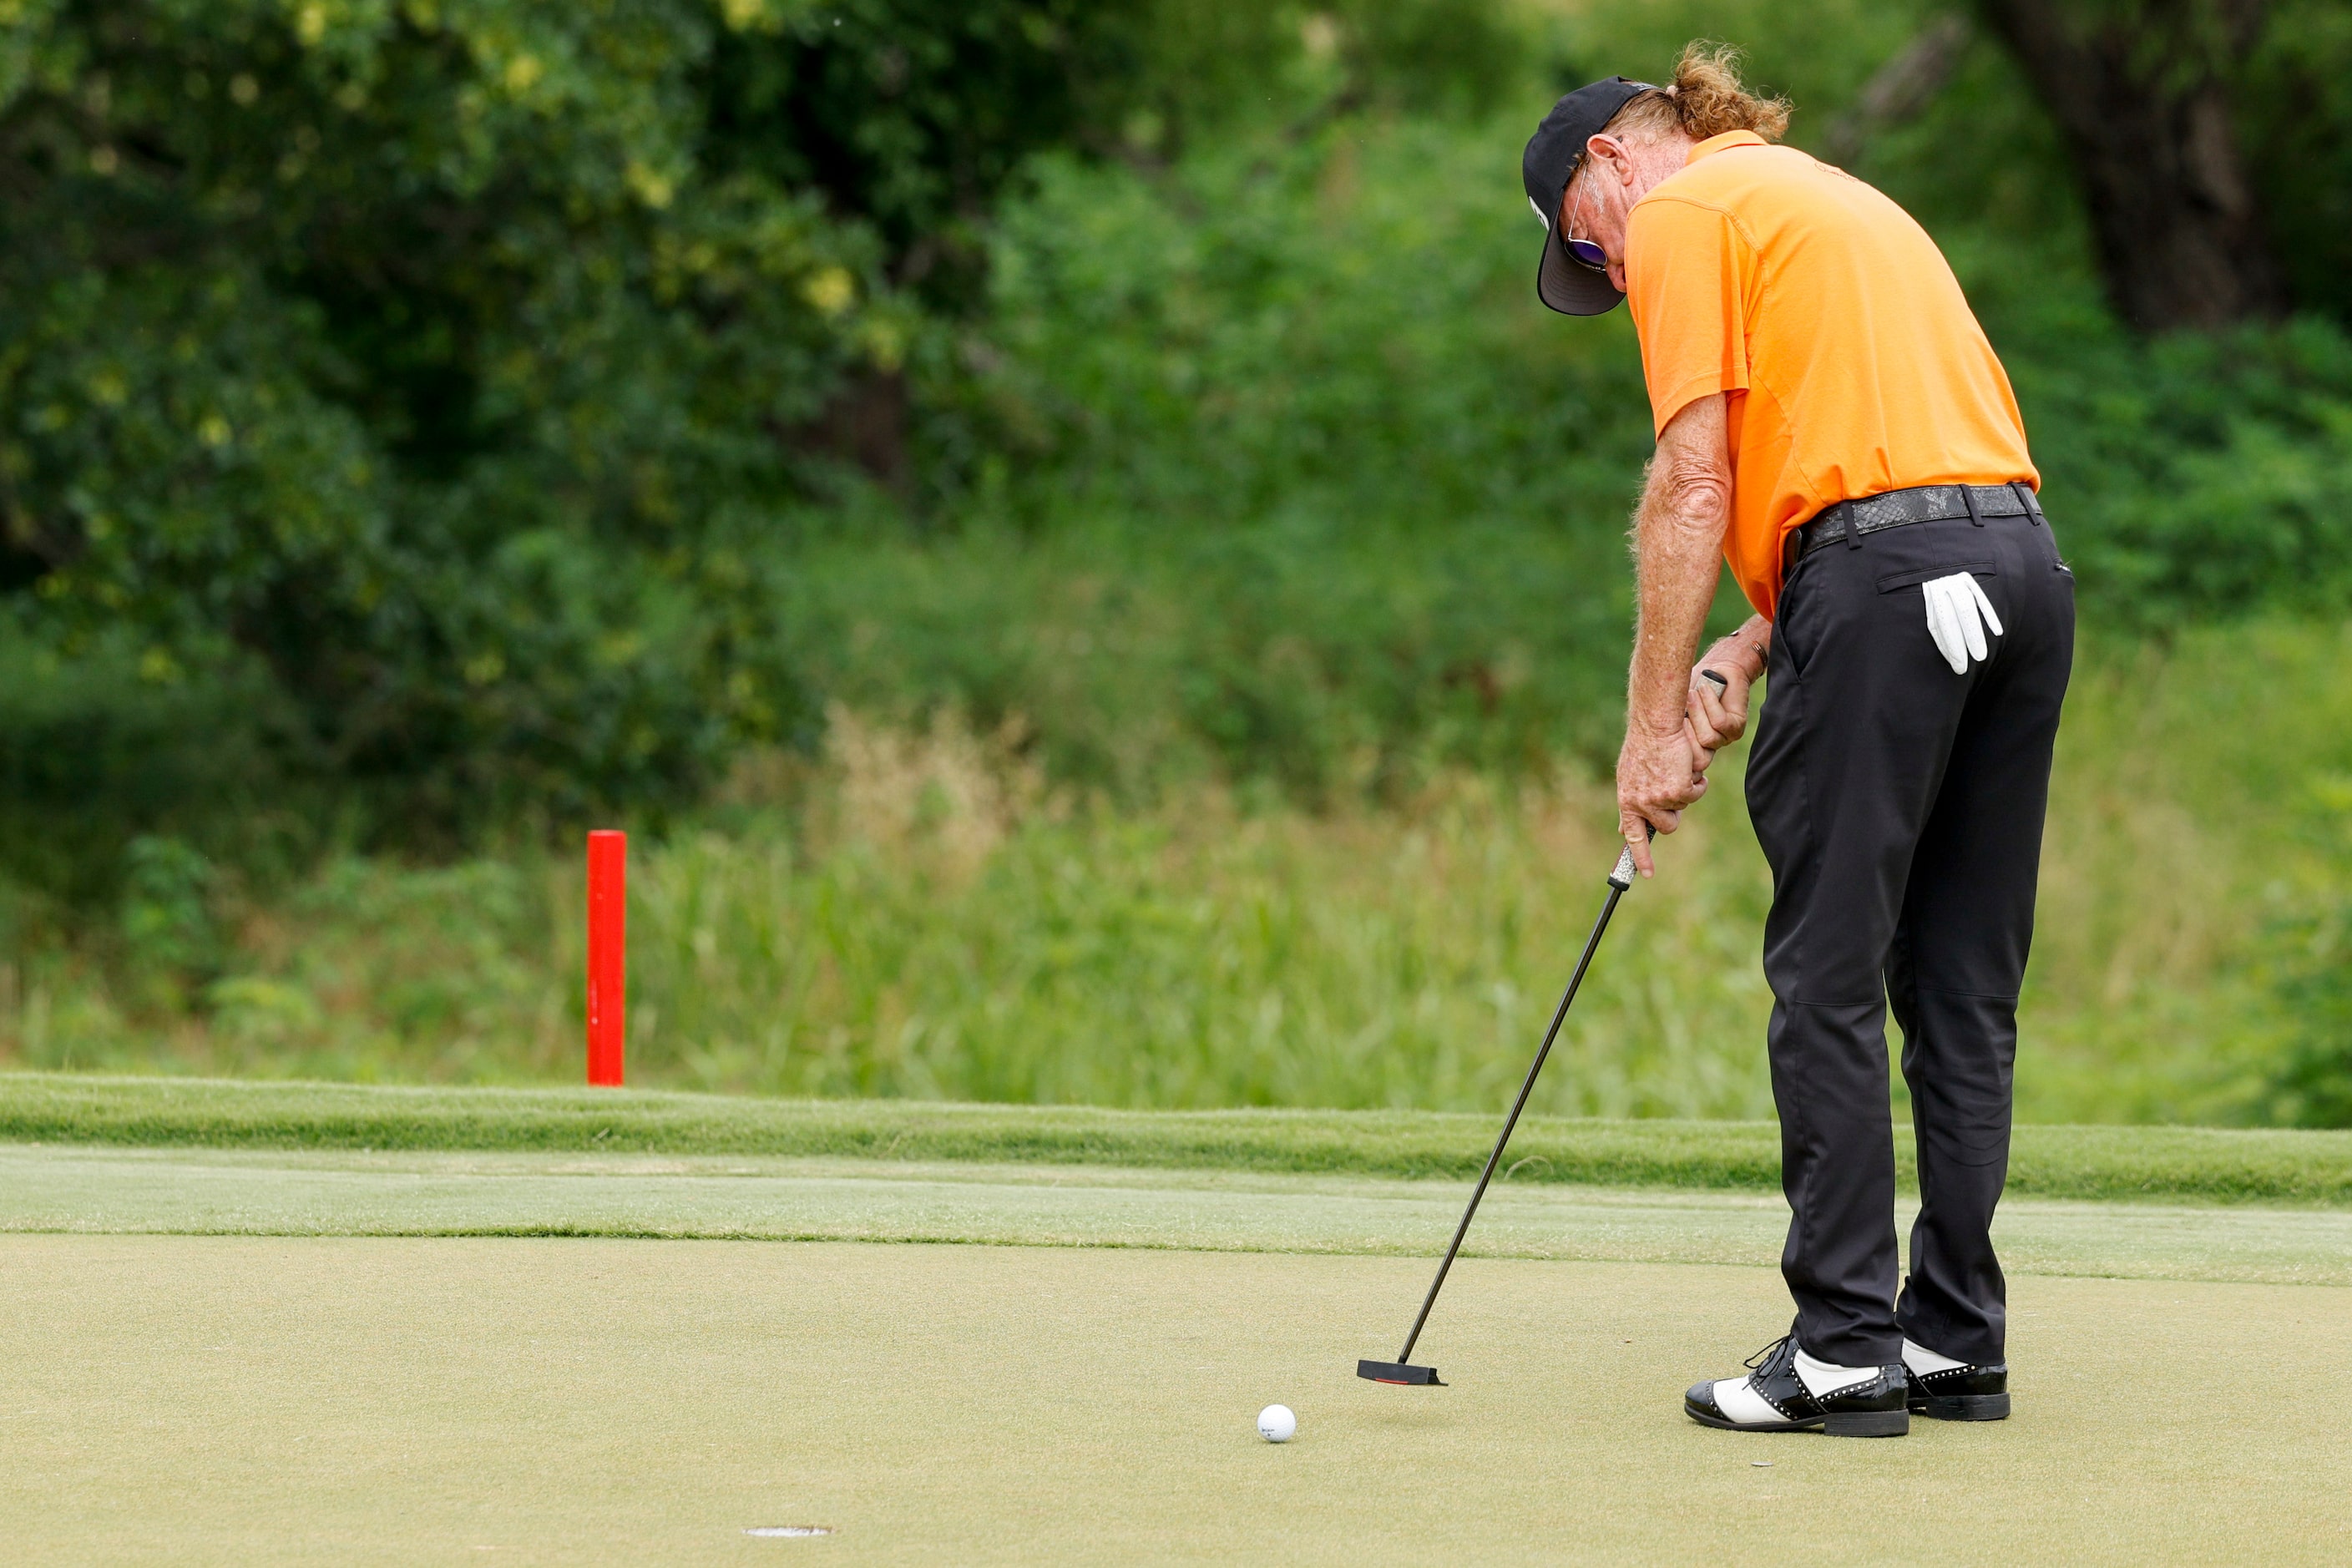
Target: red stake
{"x": 608, "y": 955}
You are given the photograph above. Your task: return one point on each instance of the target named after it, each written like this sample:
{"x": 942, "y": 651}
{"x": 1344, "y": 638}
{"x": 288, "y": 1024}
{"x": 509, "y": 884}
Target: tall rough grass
{"x": 949, "y": 927}
{"x": 922, "y": 913}
{"x": 2198, "y": 854}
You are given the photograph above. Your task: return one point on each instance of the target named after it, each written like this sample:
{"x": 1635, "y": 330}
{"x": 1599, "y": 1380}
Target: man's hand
{"x": 1658, "y": 774}
{"x": 1718, "y": 714}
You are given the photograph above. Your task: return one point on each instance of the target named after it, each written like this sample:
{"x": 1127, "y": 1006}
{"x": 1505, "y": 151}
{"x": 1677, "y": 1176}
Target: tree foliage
{"x": 2294, "y": 99}
{"x": 456, "y": 358}
{"x": 2212, "y": 142}
{"x": 452, "y": 380}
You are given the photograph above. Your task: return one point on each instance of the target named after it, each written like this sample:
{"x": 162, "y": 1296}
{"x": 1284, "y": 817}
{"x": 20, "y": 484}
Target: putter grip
{"x": 1623, "y": 877}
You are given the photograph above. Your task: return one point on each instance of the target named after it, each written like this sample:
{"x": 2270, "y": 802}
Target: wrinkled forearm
{"x": 1678, "y": 551}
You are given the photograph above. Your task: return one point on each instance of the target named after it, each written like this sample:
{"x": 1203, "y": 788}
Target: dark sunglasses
{"x": 1588, "y": 252}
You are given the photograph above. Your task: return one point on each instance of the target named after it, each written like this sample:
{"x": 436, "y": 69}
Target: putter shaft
{"x": 1619, "y": 880}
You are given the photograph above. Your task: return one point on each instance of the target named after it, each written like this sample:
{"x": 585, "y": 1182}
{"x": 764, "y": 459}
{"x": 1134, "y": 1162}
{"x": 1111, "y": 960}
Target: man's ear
{"x": 1617, "y": 164}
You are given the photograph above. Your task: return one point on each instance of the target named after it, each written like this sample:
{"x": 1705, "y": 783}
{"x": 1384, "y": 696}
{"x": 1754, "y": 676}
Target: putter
{"x": 1401, "y": 1371}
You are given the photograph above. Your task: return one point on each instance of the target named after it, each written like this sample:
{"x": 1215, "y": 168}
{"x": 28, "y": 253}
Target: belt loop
{"x": 1968, "y": 500}
{"x": 2024, "y": 493}
{"x": 1853, "y": 525}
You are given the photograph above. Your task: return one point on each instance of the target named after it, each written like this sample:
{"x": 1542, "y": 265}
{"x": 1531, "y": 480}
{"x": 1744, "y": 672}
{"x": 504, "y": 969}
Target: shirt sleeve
{"x": 1688, "y": 272}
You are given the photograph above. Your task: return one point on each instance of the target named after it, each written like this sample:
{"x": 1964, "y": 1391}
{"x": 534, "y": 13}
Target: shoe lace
{"x": 1764, "y": 1358}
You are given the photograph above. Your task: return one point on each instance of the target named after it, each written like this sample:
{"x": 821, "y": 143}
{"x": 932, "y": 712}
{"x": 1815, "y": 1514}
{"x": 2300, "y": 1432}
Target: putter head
{"x": 1402, "y": 1372}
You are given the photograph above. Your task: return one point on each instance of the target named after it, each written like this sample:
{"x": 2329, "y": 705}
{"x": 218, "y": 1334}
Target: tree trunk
{"x": 2140, "y": 91}
{"x": 1900, "y": 88}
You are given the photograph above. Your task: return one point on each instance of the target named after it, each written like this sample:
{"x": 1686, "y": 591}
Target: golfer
{"x": 1831, "y": 423}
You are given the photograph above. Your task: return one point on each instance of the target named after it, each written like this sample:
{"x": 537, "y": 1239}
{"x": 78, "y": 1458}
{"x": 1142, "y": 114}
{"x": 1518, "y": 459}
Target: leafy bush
{"x": 94, "y": 754}
{"x": 1336, "y": 329}
{"x": 2197, "y": 476}
{"x": 2312, "y": 1084}
{"x": 1317, "y": 665}
{"x": 2296, "y": 113}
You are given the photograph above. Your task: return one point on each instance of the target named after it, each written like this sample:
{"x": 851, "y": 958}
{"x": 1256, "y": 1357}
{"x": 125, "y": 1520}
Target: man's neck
{"x": 1655, "y": 162}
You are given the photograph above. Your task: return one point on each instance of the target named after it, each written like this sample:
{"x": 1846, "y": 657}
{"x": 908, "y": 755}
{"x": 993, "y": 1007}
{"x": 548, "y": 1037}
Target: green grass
{"x": 82, "y": 1189}
{"x": 2049, "y": 1162}
{"x": 270, "y": 1401}
{"x": 925, "y": 914}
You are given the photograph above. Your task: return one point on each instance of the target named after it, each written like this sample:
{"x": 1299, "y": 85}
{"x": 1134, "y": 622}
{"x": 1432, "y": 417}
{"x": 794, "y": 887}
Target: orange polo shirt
{"x": 1853, "y": 362}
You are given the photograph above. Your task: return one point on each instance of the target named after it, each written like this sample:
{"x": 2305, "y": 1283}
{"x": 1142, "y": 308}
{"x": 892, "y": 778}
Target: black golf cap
{"x": 1564, "y": 283}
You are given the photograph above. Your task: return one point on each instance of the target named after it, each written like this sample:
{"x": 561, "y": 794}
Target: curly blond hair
{"x": 1704, "y": 99}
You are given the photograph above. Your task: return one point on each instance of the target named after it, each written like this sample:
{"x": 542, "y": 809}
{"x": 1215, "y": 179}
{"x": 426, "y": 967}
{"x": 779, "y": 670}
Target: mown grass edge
{"x": 2152, "y": 1163}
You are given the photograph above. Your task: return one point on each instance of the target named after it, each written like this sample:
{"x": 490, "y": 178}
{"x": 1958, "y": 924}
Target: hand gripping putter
{"x": 1401, "y": 1370}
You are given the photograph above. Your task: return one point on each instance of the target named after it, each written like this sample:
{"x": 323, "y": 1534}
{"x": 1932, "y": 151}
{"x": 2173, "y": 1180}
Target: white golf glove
{"x": 1957, "y": 614}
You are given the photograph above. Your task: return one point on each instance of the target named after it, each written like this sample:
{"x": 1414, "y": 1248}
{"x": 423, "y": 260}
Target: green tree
{"x": 2295, "y": 97}
{"x": 456, "y": 359}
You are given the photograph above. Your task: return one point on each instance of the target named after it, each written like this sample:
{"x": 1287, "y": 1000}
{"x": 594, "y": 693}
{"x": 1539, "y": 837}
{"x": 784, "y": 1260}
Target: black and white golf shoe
{"x": 1788, "y": 1391}
{"x": 1943, "y": 1389}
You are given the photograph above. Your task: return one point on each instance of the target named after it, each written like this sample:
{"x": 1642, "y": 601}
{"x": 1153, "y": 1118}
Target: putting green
{"x": 315, "y": 1193}
{"x": 266, "y": 1400}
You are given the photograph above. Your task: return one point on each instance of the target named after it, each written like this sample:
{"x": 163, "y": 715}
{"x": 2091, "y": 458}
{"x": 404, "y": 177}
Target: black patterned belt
{"x": 1848, "y": 520}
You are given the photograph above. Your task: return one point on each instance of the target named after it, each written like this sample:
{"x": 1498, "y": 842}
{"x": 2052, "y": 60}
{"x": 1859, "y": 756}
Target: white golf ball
{"x": 1275, "y": 1424}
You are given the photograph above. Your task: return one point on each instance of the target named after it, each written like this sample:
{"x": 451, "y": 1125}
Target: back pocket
{"x": 1894, "y": 580}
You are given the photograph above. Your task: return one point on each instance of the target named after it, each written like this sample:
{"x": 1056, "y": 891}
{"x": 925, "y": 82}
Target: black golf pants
{"x": 1900, "y": 806}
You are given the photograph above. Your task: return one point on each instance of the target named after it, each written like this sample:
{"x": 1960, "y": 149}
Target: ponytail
{"x": 1706, "y": 99}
